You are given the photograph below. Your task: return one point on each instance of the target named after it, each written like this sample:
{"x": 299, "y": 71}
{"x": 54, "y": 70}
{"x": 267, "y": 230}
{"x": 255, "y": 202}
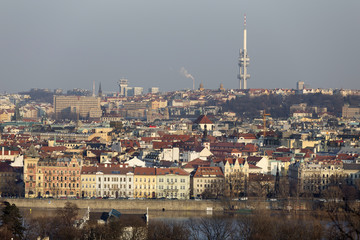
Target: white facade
{"x": 170, "y": 154}
{"x": 173, "y": 186}
{"x": 135, "y": 162}
{"x": 115, "y": 185}
{"x": 188, "y": 156}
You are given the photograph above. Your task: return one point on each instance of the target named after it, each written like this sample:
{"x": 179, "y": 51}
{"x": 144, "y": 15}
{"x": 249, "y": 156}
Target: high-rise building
{"x": 73, "y": 107}
{"x": 123, "y": 85}
{"x": 300, "y": 85}
{"x": 243, "y": 62}
{"x": 134, "y": 91}
{"x": 153, "y": 90}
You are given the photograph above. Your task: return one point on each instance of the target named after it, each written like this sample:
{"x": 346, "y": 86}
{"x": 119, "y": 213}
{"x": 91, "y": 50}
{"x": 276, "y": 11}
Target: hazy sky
{"x": 69, "y": 44}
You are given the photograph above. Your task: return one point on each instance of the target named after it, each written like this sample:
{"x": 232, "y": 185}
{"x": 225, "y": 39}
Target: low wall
{"x": 158, "y": 205}
{"x": 185, "y": 205}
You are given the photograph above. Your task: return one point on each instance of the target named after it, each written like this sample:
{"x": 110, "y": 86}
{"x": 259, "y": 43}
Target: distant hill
{"x": 279, "y": 106}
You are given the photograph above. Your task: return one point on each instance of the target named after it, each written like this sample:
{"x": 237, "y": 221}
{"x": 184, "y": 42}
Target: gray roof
{"x": 351, "y": 166}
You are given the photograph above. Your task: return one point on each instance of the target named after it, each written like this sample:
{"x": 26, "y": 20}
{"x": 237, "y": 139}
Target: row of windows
{"x": 172, "y": 180}
{"x": 171, "y": 195}
{"x": 61, "y": 178}
{"x": 207, "y": 185}
{"x": 113, "y": 193}
{"x": 209, "y": 180}
{"x": 87, "y": 179}
{"x": 114, "y": 179}
{"x": 114, "y": 186}
{"x": 58, "y": 185}
{"x": 144, "y": 187}
{"x": 234, "y": 170}
{"x": 61, "y": 172}
{"x": 172, "y": 187}
{"x": 61, "y": 193}
{"x": 140, "y": 179}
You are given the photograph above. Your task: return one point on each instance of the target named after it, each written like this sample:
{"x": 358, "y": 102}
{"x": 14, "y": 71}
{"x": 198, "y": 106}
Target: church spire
{"x": 100, "y": 91}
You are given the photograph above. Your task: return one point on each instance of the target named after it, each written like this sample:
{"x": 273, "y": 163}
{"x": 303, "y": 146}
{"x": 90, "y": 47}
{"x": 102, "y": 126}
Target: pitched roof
{"x": 203, "y": 119}
{"x": 144, "y": 171}
{"x": 253, "y": 160}
{"x": 209, "y": 172}
{"x": 176, "y": 171}
{"x": 196, "y": 163}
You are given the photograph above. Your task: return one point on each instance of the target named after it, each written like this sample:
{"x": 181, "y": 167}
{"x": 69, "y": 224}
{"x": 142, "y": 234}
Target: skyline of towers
{"x": 244, "y": 60}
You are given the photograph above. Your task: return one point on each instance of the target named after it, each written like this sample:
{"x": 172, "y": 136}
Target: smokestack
{"x": 184, "y": 72}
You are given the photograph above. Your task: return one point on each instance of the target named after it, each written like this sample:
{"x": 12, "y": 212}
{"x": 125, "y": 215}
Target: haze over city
{"x": 70, "y": 44}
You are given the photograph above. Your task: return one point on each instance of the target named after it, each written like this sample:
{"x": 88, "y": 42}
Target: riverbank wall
{"x": 159, "y": 205}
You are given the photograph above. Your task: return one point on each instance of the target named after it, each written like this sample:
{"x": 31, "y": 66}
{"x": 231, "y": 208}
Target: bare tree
{"x": 262, "y": 225}
{"x": 159, "y": 230}
{"x": 235, "y": 184}
{"x": 215, "y": 228}
{"x": 343, "y": 212}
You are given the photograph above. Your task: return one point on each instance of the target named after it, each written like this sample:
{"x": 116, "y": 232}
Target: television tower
{"x": 243, "y": 62}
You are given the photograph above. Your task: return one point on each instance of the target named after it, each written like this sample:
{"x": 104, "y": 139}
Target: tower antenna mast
{"x": 243, "y": 61}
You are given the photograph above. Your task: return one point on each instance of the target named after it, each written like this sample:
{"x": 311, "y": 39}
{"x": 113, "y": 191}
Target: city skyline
{"x": 70, "y": 45}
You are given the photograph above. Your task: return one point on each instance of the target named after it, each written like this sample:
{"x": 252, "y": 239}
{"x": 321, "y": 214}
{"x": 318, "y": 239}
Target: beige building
{"x": 315, "y": 177}
{"x": 6, "y": 115}
{"x": 236, "y": 173}
{"x": 208, "y": 182}
{"x": 350, "y": 112}
{"x": 88, "y": 181}
{"x": 77, "y": 106}
{"x": 52, "y": 177}
{"x": 172, "y": 183}
{"x": 156, "y": 104}
{"x": 144, "y": 182}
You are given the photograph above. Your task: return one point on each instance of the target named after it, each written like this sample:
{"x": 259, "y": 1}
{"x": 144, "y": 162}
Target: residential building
{"x": 315, "y": 176}
{"x": 350, "y": 112}
{"x": 144, "y": 182}
{"x": 73, "y": 107}
{"x": 208, "y": 182}
{"x": 115, "y": 181}
{"x": 88, "y": 181}
{"x": 172, "y": 183}
{"x": 52, "y": 177}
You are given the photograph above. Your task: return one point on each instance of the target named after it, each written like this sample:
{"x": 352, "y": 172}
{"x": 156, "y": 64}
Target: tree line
{"x": 341, "y": 222}
{"x": 279, "y": 106}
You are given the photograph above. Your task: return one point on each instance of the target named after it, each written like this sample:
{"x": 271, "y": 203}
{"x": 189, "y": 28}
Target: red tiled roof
{"x": 203, "y": 171}
{"x": 344, "y": 156}
{"x": 283, "y": 150}
{"x": 115, "y": 169}
{"x": 176, "y": 171}
{"x": 203, "y": 119}
{"x": 88, "y": 169}
{"x": 160, "y": 145}
{"x": 144, "y": 171}
{"x": 283, "y": 159}
{"x": 52, "y": 149}
{"x": 196, "y": 163}
{"x": 269, "y": 152}
{"x": 253, "y": 160}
